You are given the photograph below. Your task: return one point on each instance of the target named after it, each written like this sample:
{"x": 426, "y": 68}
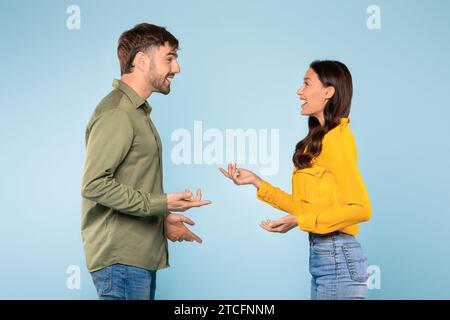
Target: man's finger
{"x": 199, "y": 194}
{"x": 186, "y": 220}
{"x": 194, "y": 237}
{"x": 198, "y": 203}
{"x": 191, "y": 195}
{"x": 183, "y": 195}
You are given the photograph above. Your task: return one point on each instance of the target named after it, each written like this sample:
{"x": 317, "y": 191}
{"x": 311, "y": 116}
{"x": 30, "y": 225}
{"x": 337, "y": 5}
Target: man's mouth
{"x": 169, "y": 79}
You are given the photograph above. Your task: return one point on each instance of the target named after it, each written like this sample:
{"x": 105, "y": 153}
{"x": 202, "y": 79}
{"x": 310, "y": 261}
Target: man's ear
{"x": 140, "y": 61}
{"x": 329, "y": 92}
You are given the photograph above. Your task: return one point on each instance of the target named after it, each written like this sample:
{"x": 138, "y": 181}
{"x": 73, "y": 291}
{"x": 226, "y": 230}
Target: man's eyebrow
{"x": 173, "y": 54}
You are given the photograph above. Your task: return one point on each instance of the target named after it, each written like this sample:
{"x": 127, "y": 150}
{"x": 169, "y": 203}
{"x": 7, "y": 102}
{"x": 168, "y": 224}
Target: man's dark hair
{"x": 140, "y": 38}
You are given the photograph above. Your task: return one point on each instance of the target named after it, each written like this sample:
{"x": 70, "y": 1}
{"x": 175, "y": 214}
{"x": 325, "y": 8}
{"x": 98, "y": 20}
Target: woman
{"x": 328, "y": 198}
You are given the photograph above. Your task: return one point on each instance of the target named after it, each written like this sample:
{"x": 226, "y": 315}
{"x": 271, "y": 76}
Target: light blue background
{"x": 242, "y": 62}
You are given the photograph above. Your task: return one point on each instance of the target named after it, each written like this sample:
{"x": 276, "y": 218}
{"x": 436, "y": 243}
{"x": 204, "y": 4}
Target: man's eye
{"x": 169, "y": 59}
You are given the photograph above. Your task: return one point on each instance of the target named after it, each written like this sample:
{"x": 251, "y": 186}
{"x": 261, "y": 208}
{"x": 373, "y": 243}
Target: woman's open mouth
{"x": 304, "y": 102}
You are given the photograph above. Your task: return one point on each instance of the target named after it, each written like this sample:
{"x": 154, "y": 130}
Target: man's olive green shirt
{"x": 123, "y": 205}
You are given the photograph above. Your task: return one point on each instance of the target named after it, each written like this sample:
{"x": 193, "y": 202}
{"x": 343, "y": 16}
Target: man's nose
{"x": 177, "y": 68}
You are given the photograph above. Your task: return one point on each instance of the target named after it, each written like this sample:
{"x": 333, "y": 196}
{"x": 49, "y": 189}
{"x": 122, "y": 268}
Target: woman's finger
{"x": 235, "y": 174}
{"x": 276, "y": 223}
{"x": 224, "y": 173}
{"x": 266, "y": 227}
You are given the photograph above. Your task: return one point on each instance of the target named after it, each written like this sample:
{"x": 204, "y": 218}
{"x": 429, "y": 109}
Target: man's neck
{"x": 144, "y": 91}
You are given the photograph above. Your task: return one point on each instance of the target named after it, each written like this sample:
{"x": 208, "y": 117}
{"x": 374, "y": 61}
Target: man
{"x": 126, "y": 216}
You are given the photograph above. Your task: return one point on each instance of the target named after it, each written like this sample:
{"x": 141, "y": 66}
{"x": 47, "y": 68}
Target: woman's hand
{"x": 241, "y": 176}
{"x": 282, "y": 225}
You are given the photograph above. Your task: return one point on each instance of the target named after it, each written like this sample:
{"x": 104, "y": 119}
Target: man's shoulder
{"x": 113, "y": 107}
{"x": 112, "y": 101}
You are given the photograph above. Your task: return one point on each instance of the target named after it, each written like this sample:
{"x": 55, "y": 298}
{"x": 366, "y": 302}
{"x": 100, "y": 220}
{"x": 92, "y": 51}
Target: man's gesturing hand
{"x": 182, "y": 201}
{"x": 177, "y": 231}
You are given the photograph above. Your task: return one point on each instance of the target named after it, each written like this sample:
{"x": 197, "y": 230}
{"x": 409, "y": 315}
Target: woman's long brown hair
{"x": 330, "y": 73}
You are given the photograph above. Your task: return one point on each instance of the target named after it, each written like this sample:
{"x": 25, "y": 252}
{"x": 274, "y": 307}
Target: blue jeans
{"x": 122, "y": 282}
{"x": 338, "y": 267}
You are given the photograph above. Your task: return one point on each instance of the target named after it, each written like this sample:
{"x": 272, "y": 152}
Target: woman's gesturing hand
{"x": 282, "y": 225}
{"x": 241, "y": 176}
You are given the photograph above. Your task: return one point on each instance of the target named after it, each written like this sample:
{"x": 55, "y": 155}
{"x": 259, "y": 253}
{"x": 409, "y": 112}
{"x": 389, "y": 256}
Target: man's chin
{"x": 165, "y": 90}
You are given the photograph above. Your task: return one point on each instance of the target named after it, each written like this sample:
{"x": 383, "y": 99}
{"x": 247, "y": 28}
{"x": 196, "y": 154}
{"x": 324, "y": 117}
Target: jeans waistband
{"x": 337, "y": 235}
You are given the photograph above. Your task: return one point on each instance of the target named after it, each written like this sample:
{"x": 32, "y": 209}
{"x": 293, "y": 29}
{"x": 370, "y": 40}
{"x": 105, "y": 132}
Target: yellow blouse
{"x": 329, "y": 196}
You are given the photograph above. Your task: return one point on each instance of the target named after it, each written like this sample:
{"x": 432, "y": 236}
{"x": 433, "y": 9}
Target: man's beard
{"x": 160, "y": 84}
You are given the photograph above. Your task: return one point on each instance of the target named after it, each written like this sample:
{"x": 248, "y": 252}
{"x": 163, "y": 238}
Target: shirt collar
{"x": 344, "y": 120}
{"x": 137, "y": 100}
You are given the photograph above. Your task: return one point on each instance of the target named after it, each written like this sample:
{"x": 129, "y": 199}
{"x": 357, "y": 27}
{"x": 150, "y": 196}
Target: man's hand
{"x": 182, "y": 201}
{"x": 282, "y": 225}
{"x": 241, "y": 176}
{"x": 177, "y": 231}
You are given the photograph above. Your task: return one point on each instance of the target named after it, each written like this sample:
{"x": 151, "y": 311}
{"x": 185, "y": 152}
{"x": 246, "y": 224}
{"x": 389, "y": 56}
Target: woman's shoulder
{"x": 341, "y": 134}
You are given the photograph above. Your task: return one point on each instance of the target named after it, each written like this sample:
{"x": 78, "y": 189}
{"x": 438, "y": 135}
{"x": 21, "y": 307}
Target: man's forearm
{"x": 108, "y": 192}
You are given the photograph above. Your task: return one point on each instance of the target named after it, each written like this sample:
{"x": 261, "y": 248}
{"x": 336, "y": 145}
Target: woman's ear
{"x": 329, "y": 92}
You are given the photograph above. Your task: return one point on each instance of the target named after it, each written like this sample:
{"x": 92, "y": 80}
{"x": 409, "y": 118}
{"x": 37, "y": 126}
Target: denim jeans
{"x": 123, "y": 282}
{"x": 338, "y": 267}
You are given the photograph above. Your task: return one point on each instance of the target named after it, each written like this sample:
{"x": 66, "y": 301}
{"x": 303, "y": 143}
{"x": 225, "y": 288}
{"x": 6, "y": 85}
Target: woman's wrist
{"x": 257, "y": 182}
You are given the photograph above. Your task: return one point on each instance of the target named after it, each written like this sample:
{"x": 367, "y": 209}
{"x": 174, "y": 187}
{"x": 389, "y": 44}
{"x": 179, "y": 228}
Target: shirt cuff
{"x": 158, "y": 203}
{"x": 307, "y": 222}
{"x": 262, "y": 191}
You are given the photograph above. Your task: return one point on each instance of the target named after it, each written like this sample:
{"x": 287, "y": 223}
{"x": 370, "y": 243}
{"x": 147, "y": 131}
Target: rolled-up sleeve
{"x": 278, "y": 198}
